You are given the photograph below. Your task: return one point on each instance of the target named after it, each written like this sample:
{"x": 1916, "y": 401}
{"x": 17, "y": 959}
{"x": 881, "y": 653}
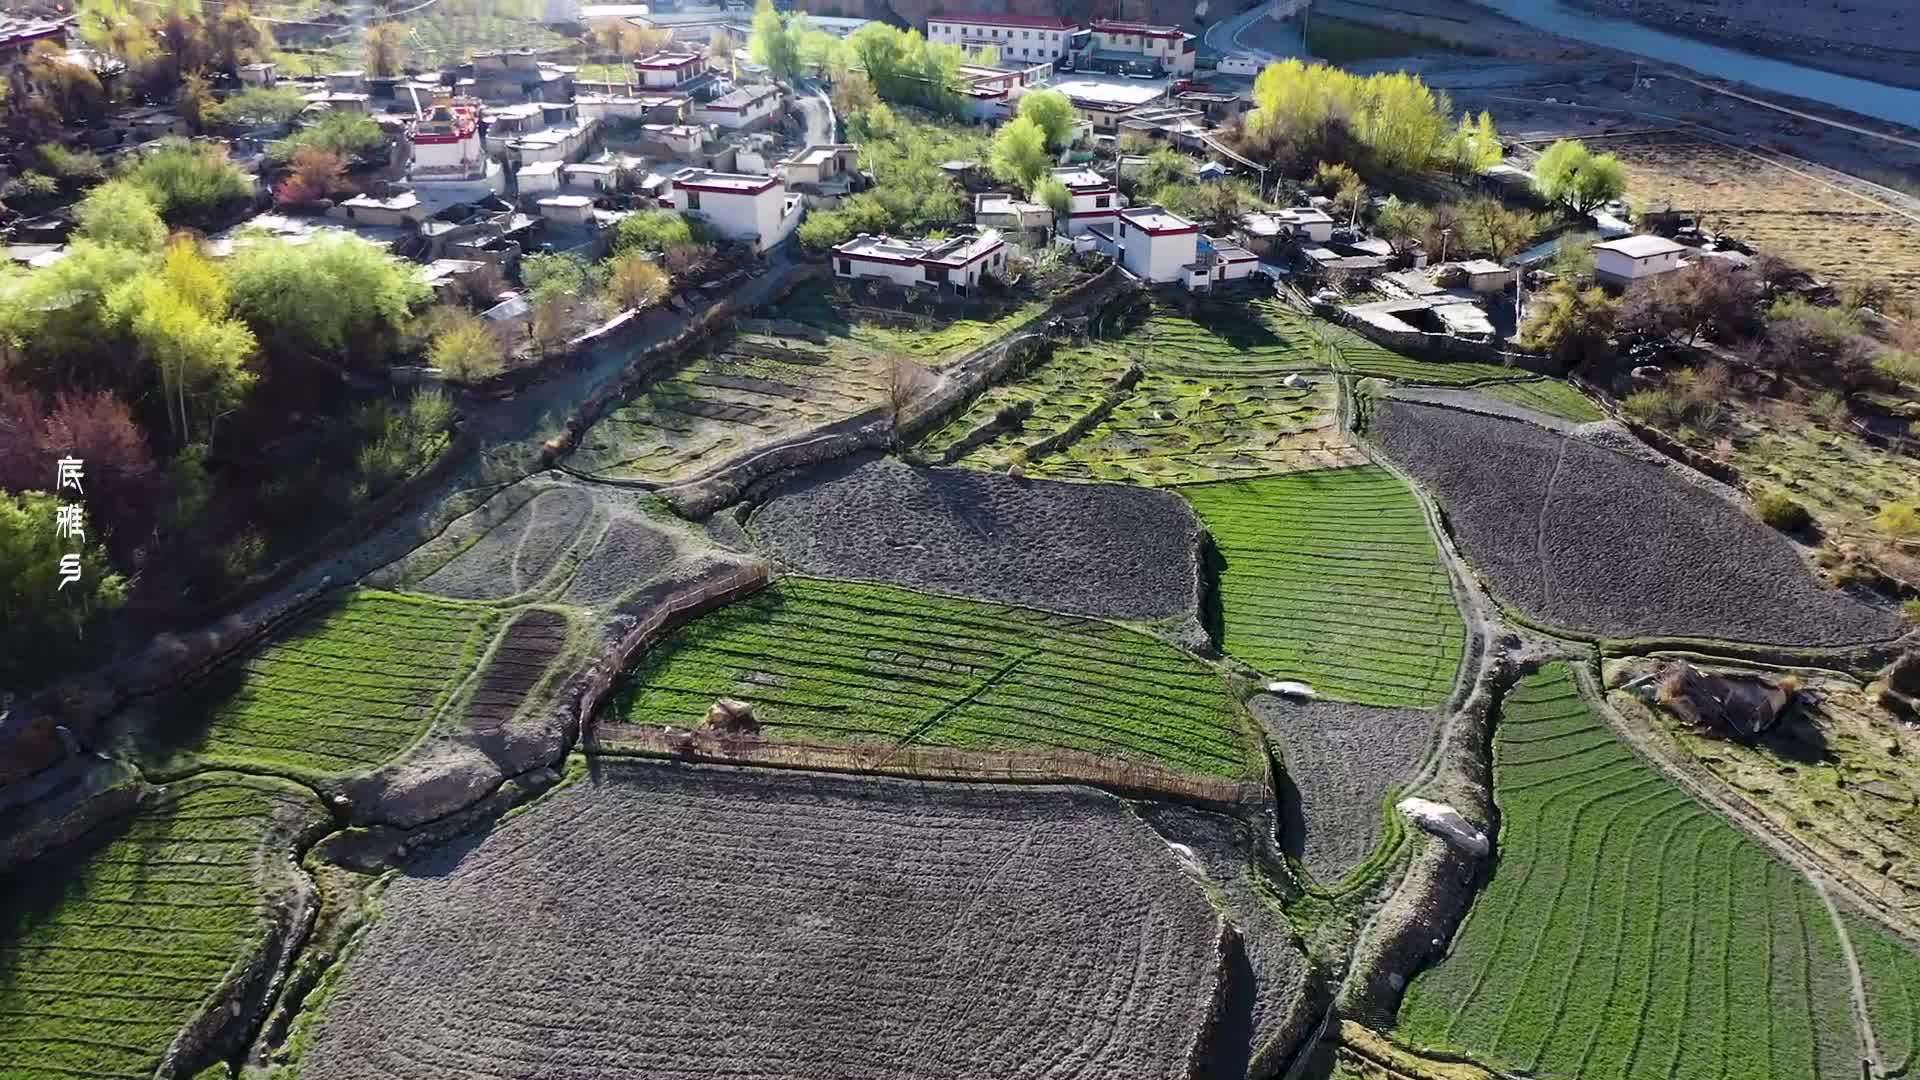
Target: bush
{"x": 635, "y": 281}
{"x": 72, "y": 168}
{"x": 658, "y": 230}
{"x": 465, "y": 348}
{"x": 1659, "y": 407}
{"x": 1912, "y": 610}
{"x": 120, "y": 213}
{"x": 1899, "y": 519}
{"x": 329, "y": 297}
{"x": 263, "y": 105}
{"x": 190, "y": 183}
{"x": 1782, "y": 511}
{"x": 347, "y": 134}
{"x": 32, "y": 185}
{"x": 402, "y": 443}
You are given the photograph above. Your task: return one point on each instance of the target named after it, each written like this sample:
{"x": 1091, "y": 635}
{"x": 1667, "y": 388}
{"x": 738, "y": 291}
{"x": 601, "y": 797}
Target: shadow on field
{"x": 1293, "y": 819}
{"x": 1213, "y": 613}
{"x": 1798, "y": 738}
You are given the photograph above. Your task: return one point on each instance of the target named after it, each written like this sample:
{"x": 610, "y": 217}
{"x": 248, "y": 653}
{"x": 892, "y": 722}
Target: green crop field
{"x": 1627, "y": 930}
{"x": 1333, "y": 577}
{"x": 1892, "y": 975}
{"x": 1550, "y": 396}
{"x": 1363, "y": 358}
{"x": 346, "y": 689}
{"x": 928, "y": 333}
{"x": 108, "y": 948}
{"x": 748, "y": 390}
{"x": 1210, "y": 403}
{"x": 862, "y": 663}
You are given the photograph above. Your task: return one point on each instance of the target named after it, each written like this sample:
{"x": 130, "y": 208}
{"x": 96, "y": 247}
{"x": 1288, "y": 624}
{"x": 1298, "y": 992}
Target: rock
{"x": 1446, "y": 823}
{"x": 1015, "y": 472}
{"x": 1297, "y": 381}
{"x": 1293, "y": 689}
{"x": 731, "y": 715}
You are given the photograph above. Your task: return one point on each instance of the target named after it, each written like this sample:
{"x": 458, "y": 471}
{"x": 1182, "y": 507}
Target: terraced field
{"x": 836, "y": 662}
{"x": 344, "y": 690}
{"x": 927, "y": 334}
{"x": 1209, "y": 403}
{"x": 1360, "y": 357}
{"x": 1627, "y": 930}
{"x": 1549, "y": 396}
{"x": 1891, "y": 972}
{"x": 1333, "y": 577}
{"x": 746, "y": 391}
{"x": 109, "y": 947}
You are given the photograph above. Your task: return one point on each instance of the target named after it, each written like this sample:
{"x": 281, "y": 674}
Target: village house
{"x": 1094, "y": 200}
{"x": 1635, "y": 258}
{"x": 958, "y": 263}
{"x": 743, "y": 108}
{"x": 823, "y": 168}
{"x": 1224, "y": 261}
{"x": 1130, "y": 47}
{"x": 19, "y": 35}
{"x": 1022, "y": 221}
{"x": 670, "y": 70}
{"x": 1018, "y": 37}
{"x": 753, "y": 209}
{"x": 445, "y": 143}
{"x": 1159, "y": 246}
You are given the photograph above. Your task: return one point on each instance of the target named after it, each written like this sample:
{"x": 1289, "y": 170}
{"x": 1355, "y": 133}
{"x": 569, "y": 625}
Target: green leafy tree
{"x": 1165, "y": 167}
{"x": 635, "y": 281}
{"x": 1053, "y": 194}
{"x": 386, "y": 49}
{"x": 1019, "y": 154}
{"x": 1219, "y": 205}
{"x": 180, "y": 317}
{"x": 73, "y": 168}
{"x": 1054, "y": 113}
{"x": 1497, "y": 230}
{"x": 1475, "y": 146}
{"x": 115, "y": 27}
{"x": 57, "y": 324}
{"x": 191, "y": 183}
{"x": 1400, "y": 224}
{"x": 337, "y": 297}
{"x": 464, "y": 347}
{"x": 775, "y": 43}
{"x": 269, "y": 106}
{"x": 1572, "y": 176}
{"x": 658, "y": 230}
{"x": 348, "y": 134}
{"x": 1572, "y": 324}
{"x": 122, "y": 214}
{"x": 43, "y": 625}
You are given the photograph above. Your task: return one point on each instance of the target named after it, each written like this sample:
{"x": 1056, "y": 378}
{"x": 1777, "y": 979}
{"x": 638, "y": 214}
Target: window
{"x": 846, "y": 267}
{"x": 1101, "y": 202}
{"x": 936, "y": 273}
{"x": 693, "y": 200}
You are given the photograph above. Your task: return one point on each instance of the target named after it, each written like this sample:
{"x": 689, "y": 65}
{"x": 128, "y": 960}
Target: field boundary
{"x": 927, "y": 763}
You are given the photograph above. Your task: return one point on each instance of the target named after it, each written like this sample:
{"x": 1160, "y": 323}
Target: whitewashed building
{"x": 958, "y": 263}
{"x": 1094, "y": 200}
{"x": 1239, "y": 64}
{"x": 752, "y": 209}
{"x": 1131, "y": 46}
{"x": 446, "y": 142}
{"x": 740, "y": 109}
{"x": 669, "y": 70}
{"x": 1018, "y": 37}
{"x": 1636, "y": 258}
{"x": 1157, "y": 245}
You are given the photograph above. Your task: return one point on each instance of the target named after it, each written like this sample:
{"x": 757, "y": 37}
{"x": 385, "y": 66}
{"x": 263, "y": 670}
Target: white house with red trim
{"x": 1018, "y": 37}
{"x": 446, "y": 141}
{"x": 1132, "y": 46}
{"x": 740, "y": 109}
{"x": 1157, "y": 245}
{"x": 1094, "y": 200}
{"x": 741, "y": 206}
{"x": 669, "y": 70}
{"x": 958, "y": 263}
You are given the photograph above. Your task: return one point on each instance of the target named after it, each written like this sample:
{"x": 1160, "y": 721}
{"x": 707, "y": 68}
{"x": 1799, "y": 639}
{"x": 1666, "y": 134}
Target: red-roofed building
{"x": 669, "y": 70}
{"x": 1018, "y": 37}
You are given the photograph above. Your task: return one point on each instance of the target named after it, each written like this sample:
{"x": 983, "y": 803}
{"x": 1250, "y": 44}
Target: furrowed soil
{"x": 345, "y": 689}
{"x": 743, "y": 392}
{"x": 1209, "y": 401}
{"x": 662, "y": 922}
{"x": 1332, "y": 577}
{"x": 1277, "y": 966}
{"x": 1838, "y": 234}
{"x": 1089, "y": 549}
{"x": 1627, "y": 929}
{"x": 114, "y": 944}
{"x": 531, "y": 643}
{"x": 854, "y": 320}
{"x": 518, "y": 554}
{"x": 836, "y": 663}
{"x": 1839, "y": 773}
{"x": 1337, "y": 811}
{"x": 1582, "y": 537}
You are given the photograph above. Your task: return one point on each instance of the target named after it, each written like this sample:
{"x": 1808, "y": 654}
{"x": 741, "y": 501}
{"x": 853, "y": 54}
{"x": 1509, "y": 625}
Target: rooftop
{"x": 1081, "y": 178}
{"x": 1641, "y": 247}
{"x": 734, "y": 183}
{"x": 978, "y": 18}
{"x": 1086, "y": 89}
{"x": 954, "y": 251}
{"x": 740, "y": 97}
{"x": 1115, "y": 26}
{"x": 1156, "y": 219}
{"x": 667, "y": 60}
{"x": 818, "y": 153}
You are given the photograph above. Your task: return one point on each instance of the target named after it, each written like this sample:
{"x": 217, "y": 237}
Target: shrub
{"x": 72, "y": 168}
{"x": 326, "y": 297}
{"x": 347, "y": 134}
{"x": 465, "y": 348}
{"x": 1911, "y": 608}
{"x": 635, "y": 281}
{"x": 658, "y": 230}
{"x": 402, "y": 443}
{"x": 120, "y": 213}
{"x": 32, "y": 185}
{"x": 1782, "y": 511}
{"x": 268, "y": 105}
{"x": 1900, "y": 367}
{"x": 1899, "y": 519}
{"x": 189, "y": 182}
{"x": 1659, "y": 407}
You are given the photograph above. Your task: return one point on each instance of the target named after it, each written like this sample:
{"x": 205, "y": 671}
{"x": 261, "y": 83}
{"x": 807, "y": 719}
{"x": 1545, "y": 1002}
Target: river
{"x": 1891, "y": 103}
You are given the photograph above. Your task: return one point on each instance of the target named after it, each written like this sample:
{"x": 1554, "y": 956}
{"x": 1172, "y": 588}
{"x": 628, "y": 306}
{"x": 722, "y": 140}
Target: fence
{"x": 929, "y": 763}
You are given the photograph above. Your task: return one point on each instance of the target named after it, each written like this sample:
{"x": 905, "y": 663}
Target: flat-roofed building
{"x": 1132, "y": 46}
{"x": 1018, "y": 37}
{"x": 746, "y": 207}
{"x": 669, "y": 70}
{"x": 1093, "y": 200}
{"x": 958, "y": 263}
{"x": 740, "y": 109}
{"x": 1636, "y": 258}
{"x": 1157, "y": 245}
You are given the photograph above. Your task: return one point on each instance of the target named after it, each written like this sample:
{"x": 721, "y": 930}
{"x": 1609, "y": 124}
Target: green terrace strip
{"x": 745, "y": 391}
{"x": 113, "y": 944}
{"x": 1210, "y": 403}
{"x": 928, "y": 335}
{"x": 1332, "y": 577}
{"x": 1627, "y": 930}
{"x": 1549, "y": 396}
{"x": 1364, "y": 359}
{"x": 346, "y": 689}
{"x": 840, "y": 663}
{"x": 1891, "y": 972}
